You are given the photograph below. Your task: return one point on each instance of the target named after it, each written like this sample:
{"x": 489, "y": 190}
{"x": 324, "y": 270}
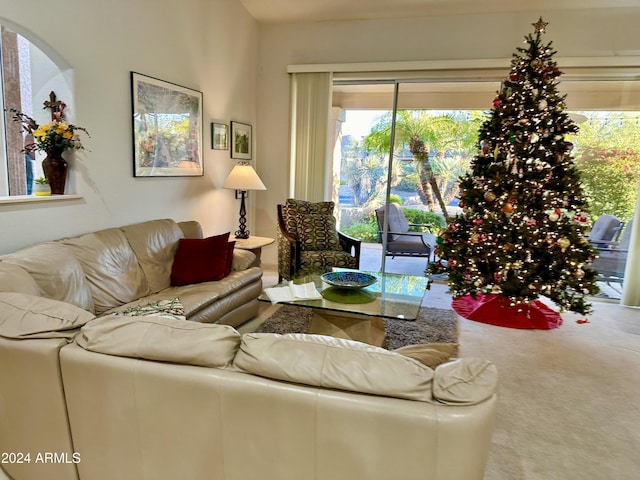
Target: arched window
{"x": 28, "y": 75}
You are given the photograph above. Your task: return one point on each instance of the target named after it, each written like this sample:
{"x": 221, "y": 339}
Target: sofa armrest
{"x": 242, "y": 259}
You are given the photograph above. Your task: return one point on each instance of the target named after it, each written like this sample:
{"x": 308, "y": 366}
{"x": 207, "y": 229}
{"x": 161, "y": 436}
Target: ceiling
{"x": 288, "y": 11}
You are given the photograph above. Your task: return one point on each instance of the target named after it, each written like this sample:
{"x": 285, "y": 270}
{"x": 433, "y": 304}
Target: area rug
{"x": 433, "y": 325}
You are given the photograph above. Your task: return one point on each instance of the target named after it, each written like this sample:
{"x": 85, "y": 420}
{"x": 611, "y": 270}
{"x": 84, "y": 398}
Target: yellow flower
{"x": 68, "y": 134}
{"x": 39, "y": 133}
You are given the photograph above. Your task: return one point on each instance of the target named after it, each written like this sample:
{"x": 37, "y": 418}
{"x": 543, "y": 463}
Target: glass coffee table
{"x": 358, "y": 314}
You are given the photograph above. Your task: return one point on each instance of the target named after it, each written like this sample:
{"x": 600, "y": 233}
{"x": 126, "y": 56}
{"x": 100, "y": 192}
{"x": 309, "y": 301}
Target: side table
{"x": 254, "y": 245}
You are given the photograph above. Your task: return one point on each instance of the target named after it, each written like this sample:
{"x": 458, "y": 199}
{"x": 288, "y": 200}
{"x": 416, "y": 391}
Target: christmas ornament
{"x": 489, "y": 196}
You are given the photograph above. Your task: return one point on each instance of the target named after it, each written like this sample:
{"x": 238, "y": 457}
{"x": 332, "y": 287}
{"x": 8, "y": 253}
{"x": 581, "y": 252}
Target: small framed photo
{"x": 241, "y": 140}
{"x": 219, "y": 136}
{"x": 167, "y": 128}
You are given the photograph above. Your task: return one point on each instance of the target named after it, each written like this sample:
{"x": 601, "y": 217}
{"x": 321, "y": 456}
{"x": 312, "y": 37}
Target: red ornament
{"x": 477, "y": 221}
{"x": 497, "y": 102}
{"x": 513, "y": 77}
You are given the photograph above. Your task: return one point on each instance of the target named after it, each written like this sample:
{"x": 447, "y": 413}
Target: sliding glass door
{"x": 432, "y": 133}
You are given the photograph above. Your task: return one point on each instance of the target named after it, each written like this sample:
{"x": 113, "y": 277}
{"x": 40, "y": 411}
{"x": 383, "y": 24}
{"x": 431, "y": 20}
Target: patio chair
{"x": 400, "y": 241}
{"x": 612, "y": 259}
{"x": 308, "y": 239}
{"x": 605, "y": 229}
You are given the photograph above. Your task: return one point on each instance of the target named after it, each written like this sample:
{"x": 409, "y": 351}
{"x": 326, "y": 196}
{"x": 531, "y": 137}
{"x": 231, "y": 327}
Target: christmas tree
{"x": 521, "y": 233}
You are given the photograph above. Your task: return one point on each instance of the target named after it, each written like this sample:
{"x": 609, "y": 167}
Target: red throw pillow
{"x": 227, "y": 268}
{"x": 200, "y": 260}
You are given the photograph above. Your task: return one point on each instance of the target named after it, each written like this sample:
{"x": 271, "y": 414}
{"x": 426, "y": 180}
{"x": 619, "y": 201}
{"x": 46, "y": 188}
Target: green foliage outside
{"x": 607, "y": 155}
{"x": 366, "y": 229}
{"x": 393, "y": 198}
{"x": 435, "y": 223}
{"x": 610, "y": 180}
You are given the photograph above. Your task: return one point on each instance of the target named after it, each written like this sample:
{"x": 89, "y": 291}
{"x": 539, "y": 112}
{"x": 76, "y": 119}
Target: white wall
{"x": 207, "y": 45}
{"x": 585, "y": 33}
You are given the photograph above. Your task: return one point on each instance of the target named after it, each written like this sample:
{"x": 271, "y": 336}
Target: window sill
{"x": 38, "y": 199}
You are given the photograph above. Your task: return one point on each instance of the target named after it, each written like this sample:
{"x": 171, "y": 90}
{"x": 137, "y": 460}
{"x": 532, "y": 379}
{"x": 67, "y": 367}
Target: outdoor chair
{"x": 309, "y": 241}
{"x": 605, "y": 229}
{"x": 400, "y": 241}
{"x": 612, "y": 259}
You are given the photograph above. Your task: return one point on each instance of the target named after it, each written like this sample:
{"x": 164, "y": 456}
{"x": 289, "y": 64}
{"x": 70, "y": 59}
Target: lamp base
{"x": 242, "y": 233}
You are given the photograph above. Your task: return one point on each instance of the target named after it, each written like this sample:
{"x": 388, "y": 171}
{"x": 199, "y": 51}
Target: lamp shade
{"x": 243, "y": 177}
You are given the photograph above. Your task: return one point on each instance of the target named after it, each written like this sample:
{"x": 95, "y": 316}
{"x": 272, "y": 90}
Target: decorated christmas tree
{"x": 521, "y": 232}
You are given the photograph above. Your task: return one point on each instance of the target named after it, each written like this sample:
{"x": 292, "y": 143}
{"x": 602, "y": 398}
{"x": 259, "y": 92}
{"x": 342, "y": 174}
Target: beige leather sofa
{"x": 119, "y": 268}
{"x": 153, "y": 398}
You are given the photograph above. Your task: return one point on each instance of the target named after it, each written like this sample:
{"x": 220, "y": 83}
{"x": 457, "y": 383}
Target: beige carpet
{"x": 568, "y": 400}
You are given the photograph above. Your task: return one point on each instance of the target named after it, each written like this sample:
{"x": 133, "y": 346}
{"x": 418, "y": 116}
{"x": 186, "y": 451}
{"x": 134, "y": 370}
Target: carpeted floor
{"x": 433, "y": 325}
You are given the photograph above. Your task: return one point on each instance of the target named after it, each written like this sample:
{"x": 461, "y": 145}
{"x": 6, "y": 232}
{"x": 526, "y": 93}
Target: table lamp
{"x": 241, "y": 179}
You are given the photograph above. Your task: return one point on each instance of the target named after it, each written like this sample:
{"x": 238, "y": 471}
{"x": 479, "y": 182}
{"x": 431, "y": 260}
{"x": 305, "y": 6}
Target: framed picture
{"x": 167, "y": 128}
{"x": 240, "y": 140}
{"x": 219, "y": 136}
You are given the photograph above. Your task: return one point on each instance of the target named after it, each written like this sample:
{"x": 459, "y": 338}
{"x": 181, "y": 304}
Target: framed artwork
{"x": 219, "y": 136}
{"x": 167, "y": 128}
{"x": 240, "y": 140}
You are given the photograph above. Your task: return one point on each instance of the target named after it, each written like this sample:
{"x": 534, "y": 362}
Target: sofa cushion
{"x": 200, "y": 260}
{"x": 317, "y": 232}
{"x": 57, "y": 272}
{"x": 465, "y": 381}
{"x": 110, "y": 267}
{"x": 14, "y": 278}
{"x": 430, "y": 354}
{"x": 161, "y": 339}
{"x": 29, "y": 316}
{"x": 169, "y": 308}
{"x": 155, "y": 244}
{"x": 334, "y": 363}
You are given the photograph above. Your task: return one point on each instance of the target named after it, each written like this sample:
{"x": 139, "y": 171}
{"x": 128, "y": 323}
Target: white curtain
{"x": 310, "y": 144}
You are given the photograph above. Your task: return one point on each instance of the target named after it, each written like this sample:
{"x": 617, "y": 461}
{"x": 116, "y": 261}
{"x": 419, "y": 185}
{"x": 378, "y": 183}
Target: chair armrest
{"x": 348, "y": 239}
{"x": 348, "y": 243}
{"x": 415, "y": 234}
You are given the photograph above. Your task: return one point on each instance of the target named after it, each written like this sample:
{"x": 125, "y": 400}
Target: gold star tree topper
{"x": 540, "y": 26}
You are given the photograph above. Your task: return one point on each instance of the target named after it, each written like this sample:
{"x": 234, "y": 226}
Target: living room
{"x": 240, "y": 64}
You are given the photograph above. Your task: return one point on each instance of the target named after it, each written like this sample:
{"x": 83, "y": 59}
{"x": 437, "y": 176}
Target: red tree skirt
{"x": 494, "y": 310}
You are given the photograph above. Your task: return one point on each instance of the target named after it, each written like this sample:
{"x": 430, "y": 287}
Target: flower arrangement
{"x": 55, "y": 136}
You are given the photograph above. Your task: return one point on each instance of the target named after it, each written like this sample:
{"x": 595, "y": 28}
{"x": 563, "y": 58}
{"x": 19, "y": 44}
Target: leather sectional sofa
{"x": 121, "y": 268}
{"x": 118, "y": 396}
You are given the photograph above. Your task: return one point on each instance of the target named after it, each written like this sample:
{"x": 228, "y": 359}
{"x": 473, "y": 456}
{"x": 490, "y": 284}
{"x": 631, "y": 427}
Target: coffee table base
{"x": 351, "y": 326}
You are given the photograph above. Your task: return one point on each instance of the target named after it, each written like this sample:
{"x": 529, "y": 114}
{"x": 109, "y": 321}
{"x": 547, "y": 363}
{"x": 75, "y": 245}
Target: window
{"x": 27, "y": 75}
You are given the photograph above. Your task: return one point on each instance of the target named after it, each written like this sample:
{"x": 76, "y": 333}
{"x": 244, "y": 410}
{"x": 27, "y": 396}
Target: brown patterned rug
{"x": 433, "y": 325}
